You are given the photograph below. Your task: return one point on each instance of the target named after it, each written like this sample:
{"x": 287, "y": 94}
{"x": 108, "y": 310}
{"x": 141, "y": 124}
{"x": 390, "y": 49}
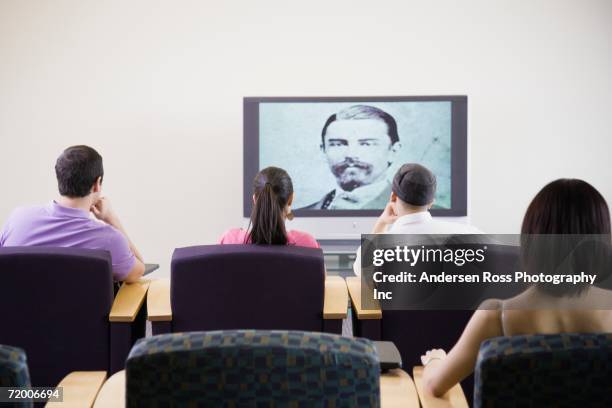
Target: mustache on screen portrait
{"x": 341, "y": 167}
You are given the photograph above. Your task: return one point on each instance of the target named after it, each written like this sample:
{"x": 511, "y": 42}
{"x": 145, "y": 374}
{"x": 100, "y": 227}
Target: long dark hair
{"x": 566, "y": 229}
{"x": 567, "y": 206}
{"x": 273, "y": 188}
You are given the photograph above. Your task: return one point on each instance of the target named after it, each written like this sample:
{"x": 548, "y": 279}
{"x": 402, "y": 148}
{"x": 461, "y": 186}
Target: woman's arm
{"x": 442, "y": 373}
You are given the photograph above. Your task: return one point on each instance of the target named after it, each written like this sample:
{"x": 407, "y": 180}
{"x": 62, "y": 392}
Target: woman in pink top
{"x": 272, "y": 198}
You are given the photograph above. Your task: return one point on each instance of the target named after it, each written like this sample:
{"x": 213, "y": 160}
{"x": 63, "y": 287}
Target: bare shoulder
{"x": 600, "y": 292}
{"x": 599, "y": 299}
{"x": 486, "y": 321}
{"x": 491, "y": 304}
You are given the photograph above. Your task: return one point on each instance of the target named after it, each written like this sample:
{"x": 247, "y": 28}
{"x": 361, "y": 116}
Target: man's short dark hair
{"x": 357, "y": 112}
{"x": 77, "y": 169}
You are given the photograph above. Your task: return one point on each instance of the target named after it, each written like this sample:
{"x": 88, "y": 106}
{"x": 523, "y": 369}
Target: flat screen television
{"x": 342, "y": 152}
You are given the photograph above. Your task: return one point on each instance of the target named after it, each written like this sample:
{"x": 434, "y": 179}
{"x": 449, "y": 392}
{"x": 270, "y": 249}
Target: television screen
{"x": 342, "y": 153}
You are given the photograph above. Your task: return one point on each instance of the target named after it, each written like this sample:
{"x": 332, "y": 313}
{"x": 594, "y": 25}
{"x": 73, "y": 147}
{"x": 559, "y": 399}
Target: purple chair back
{"x": 224, "y": 287}
{"x": 54, "y": 304}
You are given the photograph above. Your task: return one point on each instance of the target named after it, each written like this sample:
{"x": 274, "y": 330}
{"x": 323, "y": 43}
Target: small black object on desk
{"x": 388, "y": 355}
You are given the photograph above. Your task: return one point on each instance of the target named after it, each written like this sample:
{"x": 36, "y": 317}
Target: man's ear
{"x": 97, "y": 186}
{"x": 322, "y": 147}
{"x": 431, "y": 204}
{"x": 393, "y": 197}
{"x": 396, "y": 147}
{"x": 290, "y": 200}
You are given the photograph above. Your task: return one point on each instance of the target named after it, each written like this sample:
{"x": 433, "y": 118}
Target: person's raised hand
{"x": 388, "y": 215}
{"x": 385, "y": 219}
{"x": 103, "y": 211}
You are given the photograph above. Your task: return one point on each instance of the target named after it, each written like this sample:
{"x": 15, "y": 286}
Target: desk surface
{"x": 396, "y": 389}
{"x": 80, "y": 389}
{"x": 454, "y": 398}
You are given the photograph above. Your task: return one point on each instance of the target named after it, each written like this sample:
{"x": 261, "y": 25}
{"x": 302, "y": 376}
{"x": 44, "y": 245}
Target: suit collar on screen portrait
{"x": 361, "y": 197}
{"x": 372, "y": 196}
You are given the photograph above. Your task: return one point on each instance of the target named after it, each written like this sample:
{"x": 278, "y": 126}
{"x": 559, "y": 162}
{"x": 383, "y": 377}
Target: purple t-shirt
{"x": 55, "y": 225}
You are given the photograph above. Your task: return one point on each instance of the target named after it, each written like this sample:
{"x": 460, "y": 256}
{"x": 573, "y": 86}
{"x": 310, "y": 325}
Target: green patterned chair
{"x": 561, "y": 370}
{"x": 79, "y": 387}
{"x": 14, "y": 371}
{"x": 249, "y": 368}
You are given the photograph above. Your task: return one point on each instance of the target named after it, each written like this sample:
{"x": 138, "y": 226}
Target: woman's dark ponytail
{"x": 273, "y": 188}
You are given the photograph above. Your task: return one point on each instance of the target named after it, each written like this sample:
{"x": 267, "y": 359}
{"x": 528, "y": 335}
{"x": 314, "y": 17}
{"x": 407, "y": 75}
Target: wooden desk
{"x": 354, "y": 288}
{"x": 454, "y": 398}
{"x": 80, "y": 389}
{"x": 158, "y": 301}
{"x": 128, "y": 301}
{"x": 396, "y": 389}
{"x": 112, "y": 393}
{"x": 335, "y": 305}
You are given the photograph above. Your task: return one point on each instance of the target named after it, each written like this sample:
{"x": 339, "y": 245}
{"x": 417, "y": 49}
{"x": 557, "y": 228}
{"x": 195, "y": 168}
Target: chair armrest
{"x": 112, "y": 393}
{"x": 80, "y": 388}
{"x": 354, "y": 287}
{"x": 397, "y": 390}
{"x": 336, "y": 298}
{"x": 158, "y": 301}
{"x": 453, "y": 397}
{"x": 128, "y": 301}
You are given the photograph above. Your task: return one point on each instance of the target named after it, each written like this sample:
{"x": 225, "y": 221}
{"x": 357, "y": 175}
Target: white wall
{"x": 157, "y": 87}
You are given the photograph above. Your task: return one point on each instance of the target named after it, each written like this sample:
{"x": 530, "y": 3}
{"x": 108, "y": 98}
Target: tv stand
{"x": 339, "y": 255}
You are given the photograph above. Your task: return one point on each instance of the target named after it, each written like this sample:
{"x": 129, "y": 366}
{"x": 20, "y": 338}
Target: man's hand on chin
{"x": 103, "y": 210}
{"x": 387, "y": 218}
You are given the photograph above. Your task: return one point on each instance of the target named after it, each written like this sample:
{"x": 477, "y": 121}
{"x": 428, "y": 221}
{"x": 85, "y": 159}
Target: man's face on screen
{"x": 358, "y": 151}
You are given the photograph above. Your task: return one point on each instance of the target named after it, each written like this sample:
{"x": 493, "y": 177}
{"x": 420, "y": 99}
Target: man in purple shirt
{"x": 67, "y": 222}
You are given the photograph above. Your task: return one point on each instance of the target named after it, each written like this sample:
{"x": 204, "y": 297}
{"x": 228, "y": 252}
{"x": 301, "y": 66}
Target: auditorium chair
{"x": 14, "y": 370}
{"x": 57, "y": 304}
{"x": 247, "y": 367}
{"x": 538, "y": 370}
{"x": 79, "y": 389}
{"x": 561, "y": 370}
{"x": 224, "y": 287}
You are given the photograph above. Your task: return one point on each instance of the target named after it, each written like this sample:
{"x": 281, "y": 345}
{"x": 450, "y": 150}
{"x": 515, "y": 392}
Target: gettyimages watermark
{"x": 461, "y": 272}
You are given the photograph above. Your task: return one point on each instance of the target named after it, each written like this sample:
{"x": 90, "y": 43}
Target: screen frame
{"x": 458, "y": 150}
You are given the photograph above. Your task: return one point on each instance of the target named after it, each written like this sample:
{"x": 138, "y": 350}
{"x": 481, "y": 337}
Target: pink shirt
{"x": 298, "y": 238}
